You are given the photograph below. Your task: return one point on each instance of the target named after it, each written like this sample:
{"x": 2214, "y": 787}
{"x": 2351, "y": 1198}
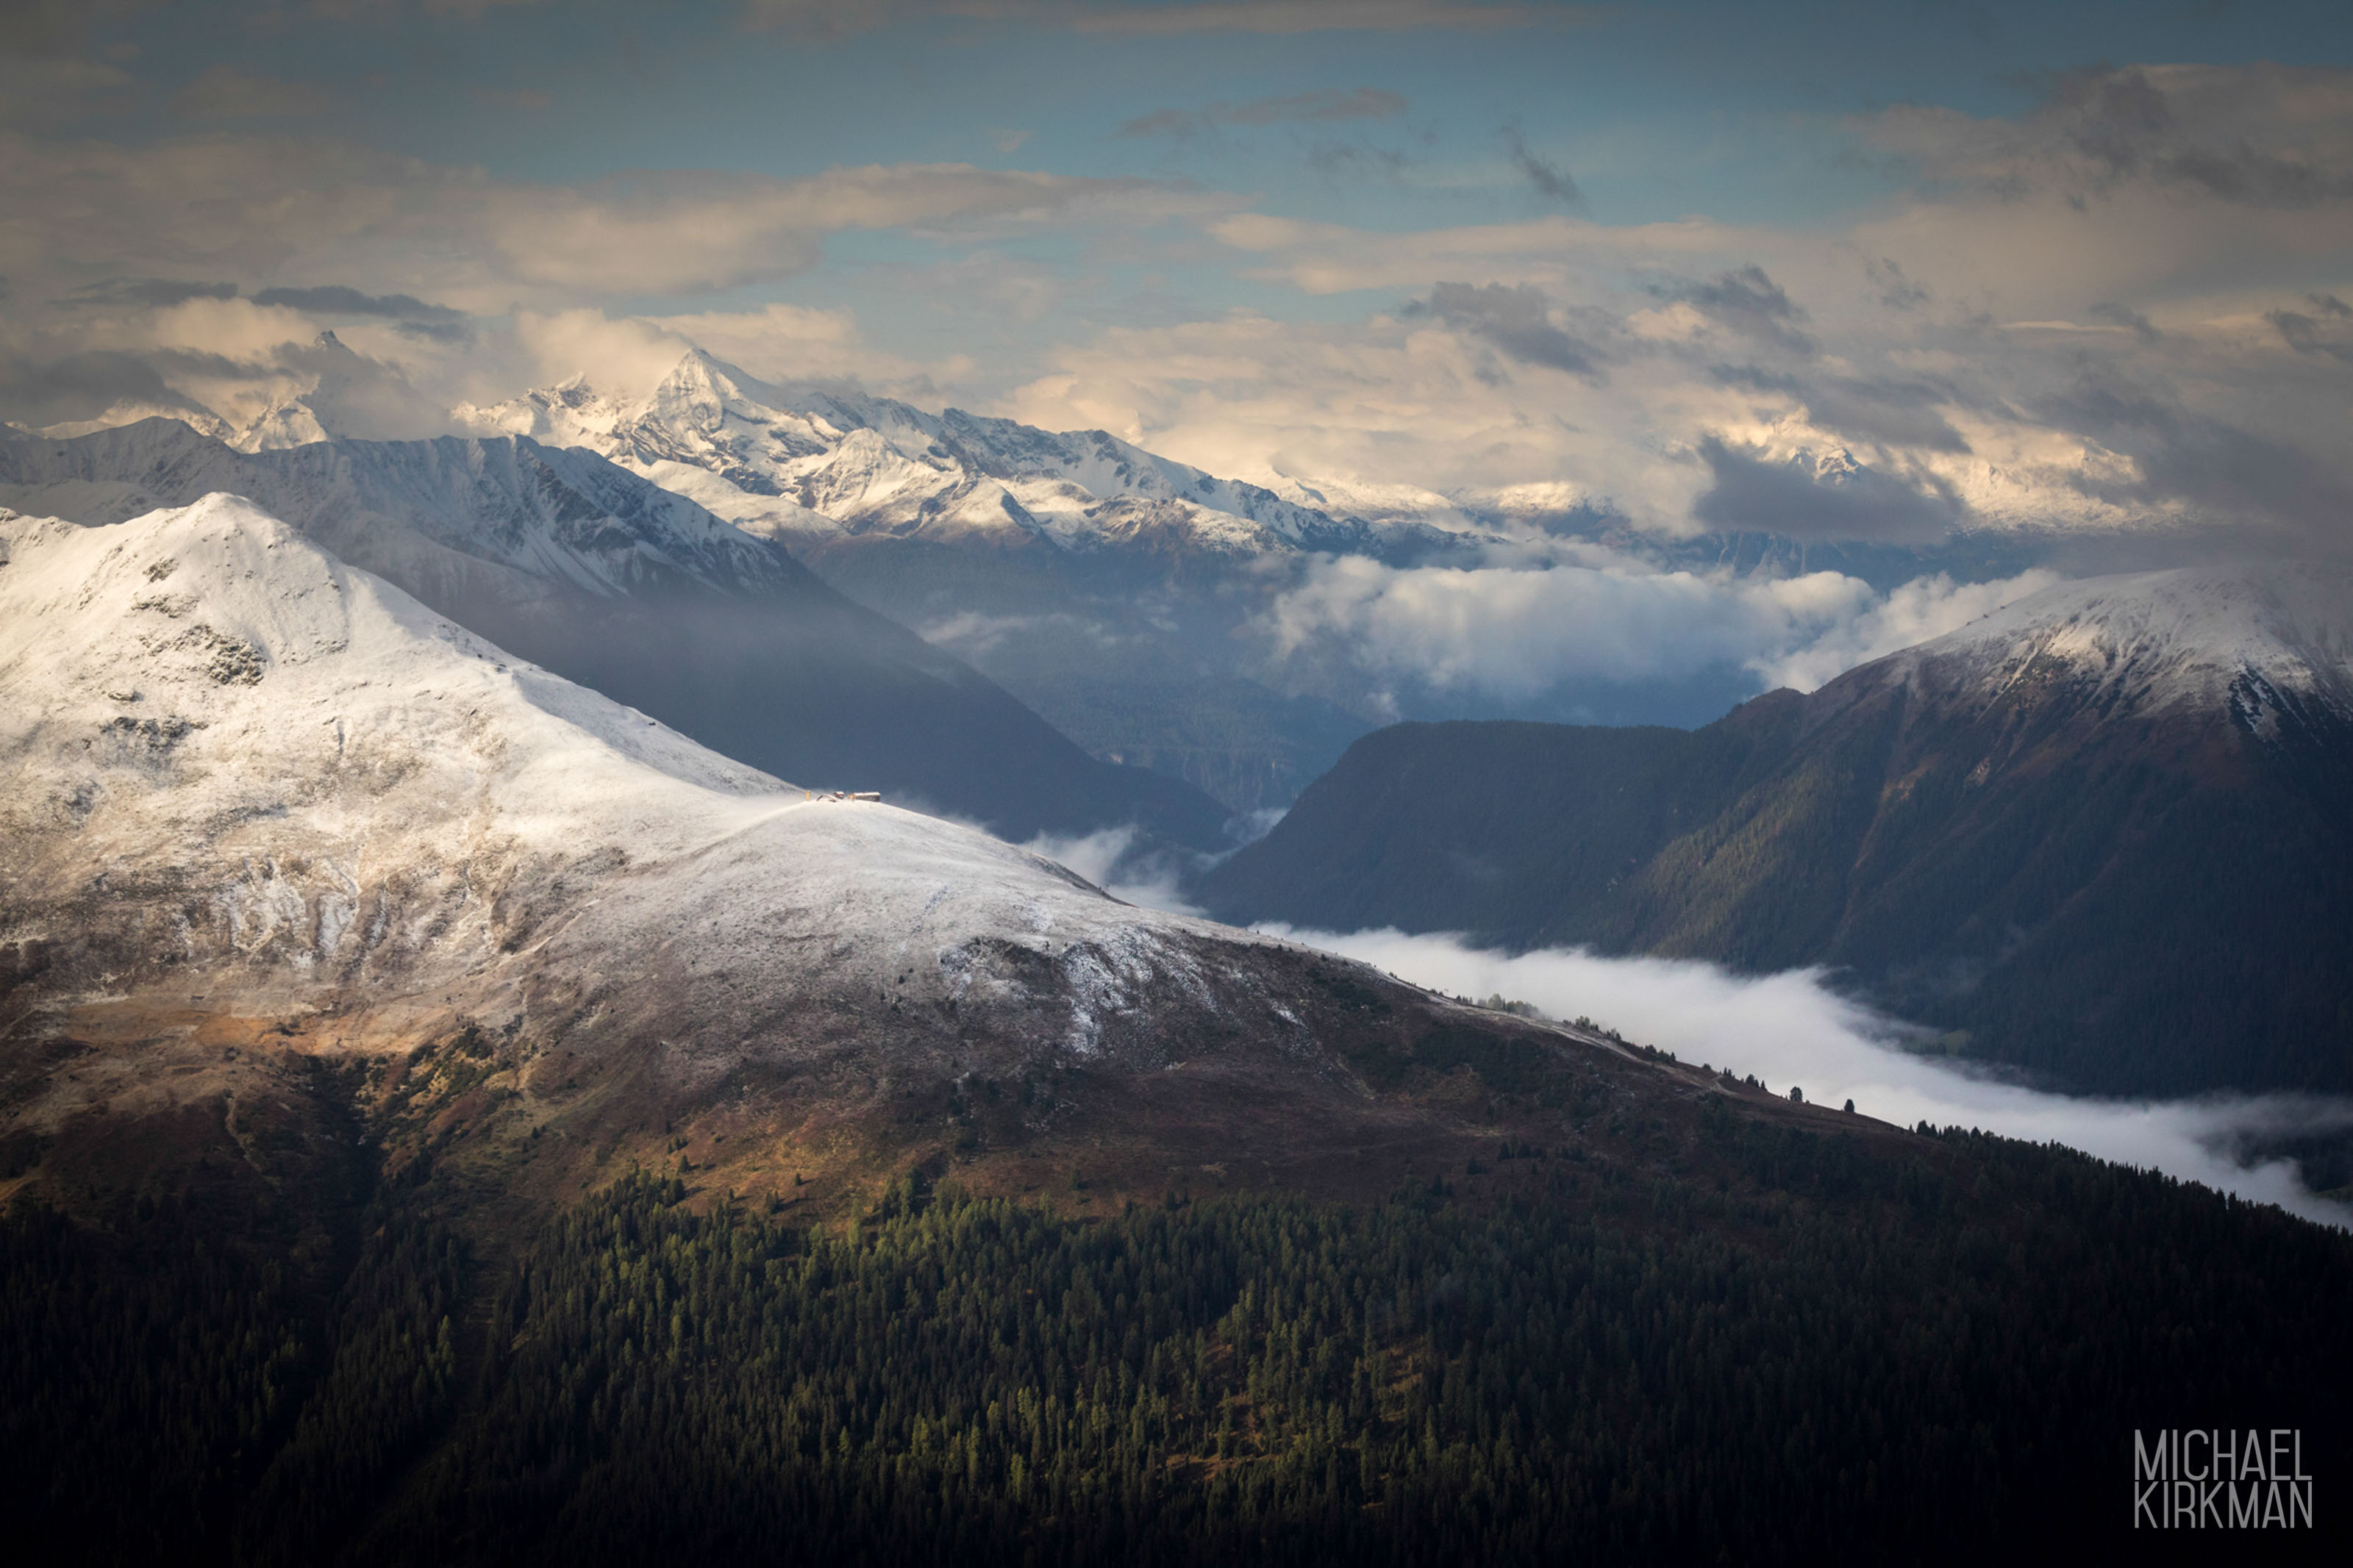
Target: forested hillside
{"x": 1799, "y": 1343}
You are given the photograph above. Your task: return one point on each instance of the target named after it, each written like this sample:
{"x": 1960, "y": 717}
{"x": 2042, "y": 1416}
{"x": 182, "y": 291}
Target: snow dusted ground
{"x": 2156, "y": 642}
{"x": 235, "y": 765}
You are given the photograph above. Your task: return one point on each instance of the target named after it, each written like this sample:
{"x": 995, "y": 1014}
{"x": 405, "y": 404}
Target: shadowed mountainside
{"x": 2106, "y": 834}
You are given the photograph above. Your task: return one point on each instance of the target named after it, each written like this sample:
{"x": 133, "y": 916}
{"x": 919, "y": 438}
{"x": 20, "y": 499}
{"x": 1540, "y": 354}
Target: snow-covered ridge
{"x": 228, "y": 758}
{"x": 409, "y": 509}
{"x": 806, "y": 463}
{"x": 2196, "y": 637}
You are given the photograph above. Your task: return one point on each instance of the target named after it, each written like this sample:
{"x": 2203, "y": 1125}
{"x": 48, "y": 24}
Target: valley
{"x": 482, "y": 1071}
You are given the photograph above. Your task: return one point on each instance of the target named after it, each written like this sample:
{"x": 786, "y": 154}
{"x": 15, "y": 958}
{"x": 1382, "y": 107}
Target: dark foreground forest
{"x": 1821, "y": 1348}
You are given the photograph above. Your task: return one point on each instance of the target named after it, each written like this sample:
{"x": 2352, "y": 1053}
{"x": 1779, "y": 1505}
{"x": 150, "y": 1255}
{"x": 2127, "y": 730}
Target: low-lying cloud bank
{"x": 1789, "y": 1028}
{"x": 1529, "y": 620}
{"x": 1111, "y": 858}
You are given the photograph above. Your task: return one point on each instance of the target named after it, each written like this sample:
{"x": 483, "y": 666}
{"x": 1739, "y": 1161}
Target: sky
{"x": 1850, "y": 272}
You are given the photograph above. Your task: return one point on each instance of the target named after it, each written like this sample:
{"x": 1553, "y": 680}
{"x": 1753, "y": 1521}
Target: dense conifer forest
{"x": 1829, "y": 1348}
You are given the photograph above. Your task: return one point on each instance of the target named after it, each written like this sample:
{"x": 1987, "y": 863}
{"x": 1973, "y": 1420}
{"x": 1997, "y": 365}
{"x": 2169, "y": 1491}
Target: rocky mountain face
{"x": 628, "y": 588}
{"x": 836, "y": 464}
{"x": 2106, "y": 834}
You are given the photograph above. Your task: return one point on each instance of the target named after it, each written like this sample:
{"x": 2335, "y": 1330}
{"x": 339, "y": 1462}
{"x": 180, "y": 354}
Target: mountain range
{"x": 1133, "y": 602}
{"x": 1108, "y": 588}
{"x": 592, "y": 571}
{"x": 2104, "y": 834}
{"x": 449, "y": 1114}
{"x": 262, "y": 801}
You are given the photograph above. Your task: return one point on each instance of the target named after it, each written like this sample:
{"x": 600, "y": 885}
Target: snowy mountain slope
{"x": 639, "y": 593}
{"x": 226, "y": 748}
{"x": 254, "y": 801}
{"x": 2216, "y": 641}
{"x": 874, "y": 465}
{"x": 404, "y": 509}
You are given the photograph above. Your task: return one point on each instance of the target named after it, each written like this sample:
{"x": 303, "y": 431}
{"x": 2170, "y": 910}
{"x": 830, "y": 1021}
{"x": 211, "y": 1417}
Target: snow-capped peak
{"x": 227, "y": 754}
{"x": 809, "y": 462}
{"x": 2153, "y": 641}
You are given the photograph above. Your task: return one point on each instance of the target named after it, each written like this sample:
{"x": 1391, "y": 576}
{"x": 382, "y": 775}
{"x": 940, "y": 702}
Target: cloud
{"x": 155, "y": 293}
{"x": 2251, "y": 490}
{"x": 2252, "y": 136}
{"x": 1750, "y": 303}
{"x": 257, "y": 207}
{"x": 1792, "y": 1029}
{"x": 1911, "y": 613}
{"x": 1326, "y": 104}
{"x": 795, "y": 342}
{"x": 229, "y": 92}
{"x": 2125, "y": 316}
{"x": 1540, "y": 620}
{"x": 1896, "y": 411}
{"x": 1110, "y": 859}
{"x": 79, "y": 387}
{"x": 1893, "y": 290}
{"x": 1551, "y": 180}
{"x": 1515, "y": 320}
{"x": 2323, "y": 331}
{"x": 1812, "y": 496}
{"x": 1331, "y": 258}
{"x": 334, "y": 299}
{"x": 450, "y": 334}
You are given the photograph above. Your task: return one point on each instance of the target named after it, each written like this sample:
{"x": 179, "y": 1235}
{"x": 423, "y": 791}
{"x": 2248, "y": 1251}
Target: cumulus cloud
{"x": 1791, "y": 1029}
{"x": 1909, "y": 613}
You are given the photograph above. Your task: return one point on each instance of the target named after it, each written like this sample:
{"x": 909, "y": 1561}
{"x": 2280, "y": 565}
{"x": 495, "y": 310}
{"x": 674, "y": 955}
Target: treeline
{"x": 1915, "y": 1357}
